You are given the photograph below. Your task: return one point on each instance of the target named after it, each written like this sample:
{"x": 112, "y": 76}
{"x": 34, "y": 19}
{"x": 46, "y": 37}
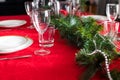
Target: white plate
{"x": 96, "y": 17}
{"x": 12, "y": 23}
{"x": 9, "y": 44}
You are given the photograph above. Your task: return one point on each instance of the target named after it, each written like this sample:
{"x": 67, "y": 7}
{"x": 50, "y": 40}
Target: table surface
{"x": 59, "y": 65}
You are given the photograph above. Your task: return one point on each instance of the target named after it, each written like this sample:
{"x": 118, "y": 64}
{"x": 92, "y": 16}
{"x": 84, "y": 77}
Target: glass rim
{"x": 111, "y": 4}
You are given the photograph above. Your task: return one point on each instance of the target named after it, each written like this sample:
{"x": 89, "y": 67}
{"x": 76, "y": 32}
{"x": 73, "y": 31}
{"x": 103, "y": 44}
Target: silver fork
{"x": 16, "y": 57}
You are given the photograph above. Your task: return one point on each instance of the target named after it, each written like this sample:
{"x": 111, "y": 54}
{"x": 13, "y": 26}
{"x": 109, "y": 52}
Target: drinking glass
{"x": 41, "y": 21}
{"x": 28, "y": 7}
{"x": 39, "y": 3}
{"x": 62, "y": 5}
{"x": 111, "y": 12}
{"x": 51, "y": 5}
{"x": 75, "y": 6}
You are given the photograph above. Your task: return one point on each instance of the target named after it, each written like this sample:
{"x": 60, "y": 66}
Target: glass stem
{"x": 41, "y": 40}
{"x": 112, "y": 31}
{"x": 31, "y": 23}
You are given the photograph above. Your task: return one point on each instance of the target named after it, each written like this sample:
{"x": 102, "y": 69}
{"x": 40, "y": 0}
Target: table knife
{"x": 16, "y": 57}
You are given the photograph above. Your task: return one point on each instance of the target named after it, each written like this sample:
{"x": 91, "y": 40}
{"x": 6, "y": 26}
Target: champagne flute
{"x": 112, "y": 12}
{"x": 41, "y": 21}
{"x": 28, "y": 7}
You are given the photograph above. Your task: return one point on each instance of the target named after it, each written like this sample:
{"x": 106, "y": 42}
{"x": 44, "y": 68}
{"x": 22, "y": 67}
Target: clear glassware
{"x": 112, "y": 12}
{"x": 75, "y": 6}
{"x": 62, "y": 5}
{"x": 39, "y": 3}
{"x": 51, "y": 4}
{"x": 28, "y": 7}
{"x": 41, "y": 21}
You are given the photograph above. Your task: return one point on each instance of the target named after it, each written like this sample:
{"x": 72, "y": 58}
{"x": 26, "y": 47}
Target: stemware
{"x": 41, "y": 21}
{"x": 112, "y": 12}
{"x": 51, "y": 5}
{"x": 75, "y": 6}
{"x": 39, "y": 3}
{"x": 28, "y": 7}
{"x": 62, "y": 5}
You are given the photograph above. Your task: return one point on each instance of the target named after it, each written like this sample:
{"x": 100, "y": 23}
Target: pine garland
{"x": 84, "y": 33}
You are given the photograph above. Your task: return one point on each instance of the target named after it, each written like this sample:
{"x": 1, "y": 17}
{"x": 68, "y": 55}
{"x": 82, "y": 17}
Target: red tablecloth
{"x": 59, "y": 65}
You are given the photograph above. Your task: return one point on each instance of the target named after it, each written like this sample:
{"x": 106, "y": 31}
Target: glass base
{"x": 31, "y": 27}
{"x": 42, "y": 52}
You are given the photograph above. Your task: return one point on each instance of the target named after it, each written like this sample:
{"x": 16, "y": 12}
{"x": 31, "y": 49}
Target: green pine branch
{"x": 84, "y": 33}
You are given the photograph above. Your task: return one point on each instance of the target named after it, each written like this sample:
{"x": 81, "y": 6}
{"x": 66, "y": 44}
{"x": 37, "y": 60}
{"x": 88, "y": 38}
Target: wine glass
{"x": 62, "y": 6}
{"x": 112, "y": 12}
{"x": 41, "y": 21}
{"x": 76, "y": 6}
{"x": 39, "y": 3}
{"x": 28, "y": 7}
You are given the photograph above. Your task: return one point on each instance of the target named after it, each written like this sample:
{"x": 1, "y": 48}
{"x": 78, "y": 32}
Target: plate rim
{"x": 86, "y": 16}
{"x": 11, "y": 26}
{"x": 28, "y": 43}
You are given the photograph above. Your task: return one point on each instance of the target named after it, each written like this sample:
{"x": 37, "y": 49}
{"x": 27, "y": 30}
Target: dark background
{"x": 16, "y": 7}
{"x": 12, "y": 7}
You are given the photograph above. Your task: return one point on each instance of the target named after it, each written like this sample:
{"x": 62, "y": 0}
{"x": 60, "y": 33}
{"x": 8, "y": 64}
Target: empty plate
{"x": 9, "y": 44}
{"x": 96, "y": 17}
{"x": 12, "y": 23}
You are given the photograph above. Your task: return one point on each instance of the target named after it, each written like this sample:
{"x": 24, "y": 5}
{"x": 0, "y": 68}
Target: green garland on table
{"x": 76, "y": 30}
{"x": 95, "y": 49}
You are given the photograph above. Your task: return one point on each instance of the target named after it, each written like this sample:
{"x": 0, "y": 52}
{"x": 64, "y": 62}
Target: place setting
{"x": 11, "y": 44}
{"x": 14, "y": 43}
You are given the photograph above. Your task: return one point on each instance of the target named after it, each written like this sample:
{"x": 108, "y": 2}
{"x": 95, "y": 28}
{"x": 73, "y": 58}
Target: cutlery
{"x": 16, "y": 57}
